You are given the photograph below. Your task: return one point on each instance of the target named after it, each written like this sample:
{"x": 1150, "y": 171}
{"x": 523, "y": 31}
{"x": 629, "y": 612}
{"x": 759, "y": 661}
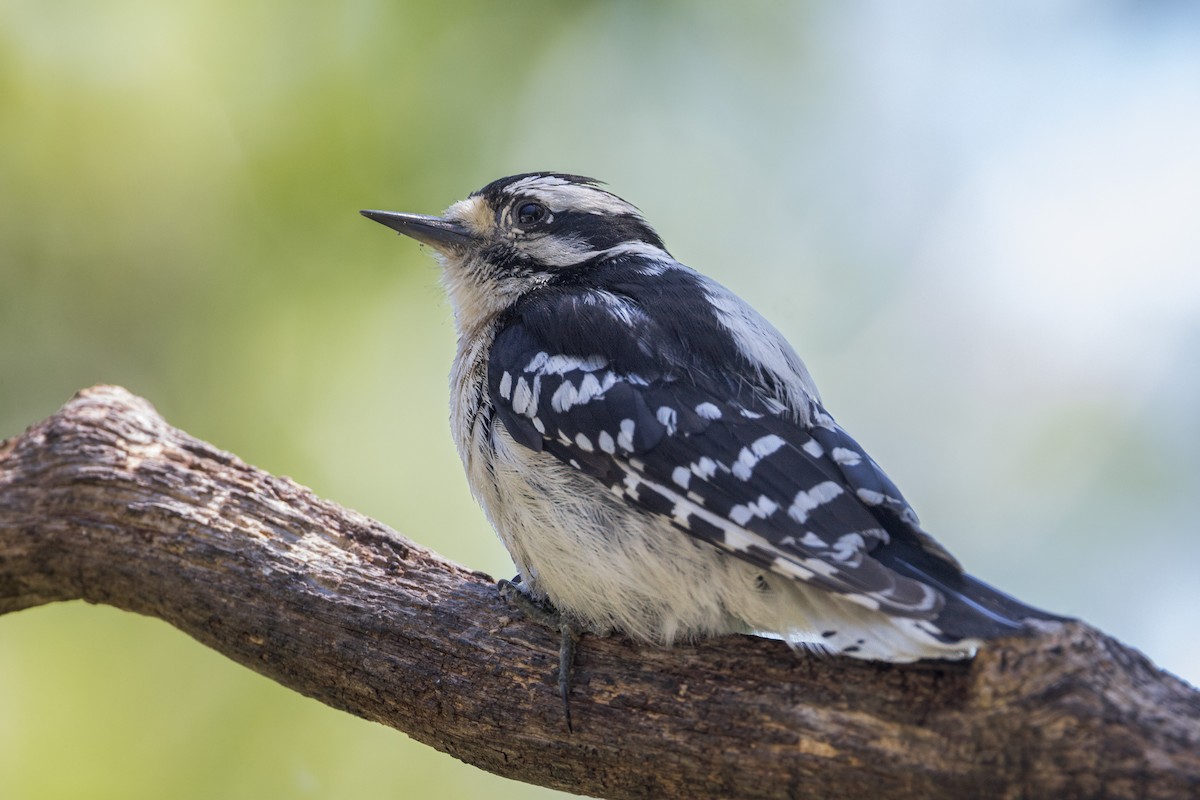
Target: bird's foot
{"x": 546, "y": 614}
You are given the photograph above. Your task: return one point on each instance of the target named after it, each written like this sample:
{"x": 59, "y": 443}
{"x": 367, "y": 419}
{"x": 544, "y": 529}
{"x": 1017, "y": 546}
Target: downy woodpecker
{"x": 654, "y": 454}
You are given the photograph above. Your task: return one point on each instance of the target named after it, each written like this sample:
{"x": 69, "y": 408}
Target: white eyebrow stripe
{"x": 561, "y": 195}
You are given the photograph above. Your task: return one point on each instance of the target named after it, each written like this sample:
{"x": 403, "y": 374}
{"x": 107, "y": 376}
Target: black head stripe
{"x": 602, "y": 231}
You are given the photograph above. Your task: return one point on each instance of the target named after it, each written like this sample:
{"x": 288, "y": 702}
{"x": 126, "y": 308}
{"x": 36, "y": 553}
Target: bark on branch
{"x": 106, "y": 502}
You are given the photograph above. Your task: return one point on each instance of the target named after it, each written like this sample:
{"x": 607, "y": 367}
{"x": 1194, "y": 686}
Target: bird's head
{"x": 517, "y": 233}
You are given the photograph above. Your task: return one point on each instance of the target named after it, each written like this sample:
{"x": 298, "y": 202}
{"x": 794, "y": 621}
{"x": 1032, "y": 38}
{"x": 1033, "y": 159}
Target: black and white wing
{"x": 719, "y": 456}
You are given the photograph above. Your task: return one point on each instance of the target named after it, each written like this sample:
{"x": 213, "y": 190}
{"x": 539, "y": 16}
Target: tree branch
{"x": 106, "y": 502}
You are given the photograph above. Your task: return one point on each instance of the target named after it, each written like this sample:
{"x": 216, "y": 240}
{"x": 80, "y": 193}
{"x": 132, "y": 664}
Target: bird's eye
{"x": 531, "y": 213}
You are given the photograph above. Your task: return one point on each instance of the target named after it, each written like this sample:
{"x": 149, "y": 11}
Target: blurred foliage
{"x": 179, "y": 186}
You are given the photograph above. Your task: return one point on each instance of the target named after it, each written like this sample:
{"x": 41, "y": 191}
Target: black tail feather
{"x": 973, "y": 609}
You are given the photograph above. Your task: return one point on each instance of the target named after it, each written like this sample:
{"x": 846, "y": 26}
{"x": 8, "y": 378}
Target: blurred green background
{"x": 976, "y": 221}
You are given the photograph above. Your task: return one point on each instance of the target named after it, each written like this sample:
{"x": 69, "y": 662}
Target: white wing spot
{"x": 606, "y": 442}
{"x": 668, "y": 418}
{"x": 704, "y": 468}
{"x": 766, "y": 445}
{"x": 535, "y": 394}
{"x": 589, "y": 388}
{"x": 565, "y": 396}
{"x": 816, "y": 496}
{"x": 560, "y": 364}
{"x": 537, "y": 361}
{"x": 539, "y": 425}
{"x": 682, "y": 476}
{"x": 625, "y": 437}
{"x": 750, "y": 456}
{"x": 871, "y": 497}
{"x": 584, "y": 443}
{"x": 846, "y": 457}
{"x": 762, "y": 508}
{"x": 521, "y": 397}
{"x": 708, "y": 411}
{"x": 810, "y": 539}
{"x": 632, "y": 482}
{"x": 813, "y": 448}
{"x": 506, "y": 385}
{"x": 848, "y": 546}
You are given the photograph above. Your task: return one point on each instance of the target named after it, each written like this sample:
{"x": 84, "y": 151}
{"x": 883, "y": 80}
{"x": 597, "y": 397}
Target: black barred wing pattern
{"x": 801, "y": 500}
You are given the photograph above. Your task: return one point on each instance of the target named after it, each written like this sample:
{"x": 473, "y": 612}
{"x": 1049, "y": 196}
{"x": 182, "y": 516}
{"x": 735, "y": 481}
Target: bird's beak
{"x": 438, "y": 233}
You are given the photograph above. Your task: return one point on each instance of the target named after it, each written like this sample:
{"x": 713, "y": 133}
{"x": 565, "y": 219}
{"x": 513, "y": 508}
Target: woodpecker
{"x": 656, "y": 457}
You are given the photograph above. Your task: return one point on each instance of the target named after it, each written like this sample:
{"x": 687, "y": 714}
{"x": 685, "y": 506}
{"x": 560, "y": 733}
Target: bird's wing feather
{"x": 801, "y": 500}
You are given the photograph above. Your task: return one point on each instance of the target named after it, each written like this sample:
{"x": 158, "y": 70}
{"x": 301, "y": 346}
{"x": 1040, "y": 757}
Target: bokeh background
{"x": 977, "y": 221}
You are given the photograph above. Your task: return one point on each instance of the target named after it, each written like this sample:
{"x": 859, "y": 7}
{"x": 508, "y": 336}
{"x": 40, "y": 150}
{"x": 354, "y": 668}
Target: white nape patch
{"x": 704, "y": 468}
{"x": 813, "y": 448}
{"x": 708, "y": 411}
{"x": 762, "y": 508}
{"x": 749, "y": 457}
{"x": 846, "y": 457}
{"x": 668, "y": 418}
{"x": 605, "y": 440}
{"x": 653, "y": 268}
{"x": 506, "y": 385}
{"x": 565, "y": 396}
{"x": 682, "y": 477}
{"x": 569, "y": 251}
{"x": 806, "y": 501}
{"x": 660, "y": 260}
{"x": 522, "y": 397}
{"x": 583, "y": 443}
{"x": 625, "y": 437}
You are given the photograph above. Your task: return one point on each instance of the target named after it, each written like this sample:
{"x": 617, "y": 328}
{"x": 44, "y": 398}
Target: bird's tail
{"x": 975, "y": 609}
